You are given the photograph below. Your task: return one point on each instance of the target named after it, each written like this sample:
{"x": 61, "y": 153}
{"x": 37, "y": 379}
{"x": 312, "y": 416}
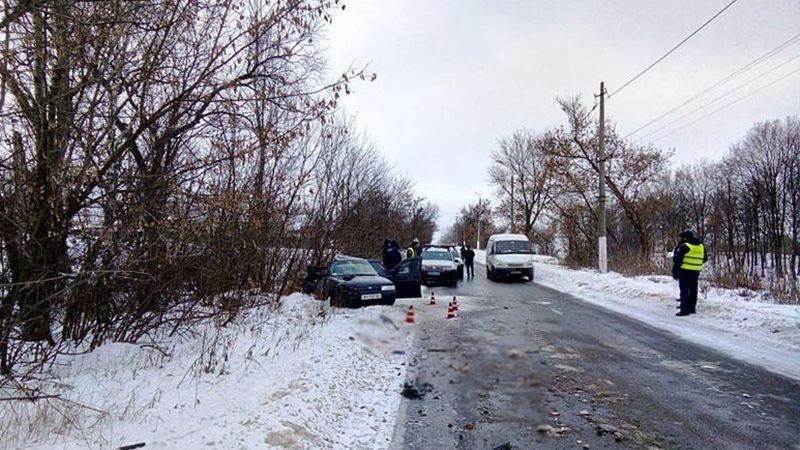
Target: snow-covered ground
{"x": 737, "y": 323}
{"x": 269, "y": 380}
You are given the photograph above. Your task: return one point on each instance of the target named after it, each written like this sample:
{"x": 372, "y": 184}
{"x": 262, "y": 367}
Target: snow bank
{"x": 301, "y": 377}
{"x": 737, "y": 323}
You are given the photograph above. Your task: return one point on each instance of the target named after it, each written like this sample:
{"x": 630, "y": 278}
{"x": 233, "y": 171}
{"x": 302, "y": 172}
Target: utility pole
{"x": 602, "y": 255}
{"x": 512, "y": 201}
{"x": 480, "y": 202}
{"x": 478, "y": 244}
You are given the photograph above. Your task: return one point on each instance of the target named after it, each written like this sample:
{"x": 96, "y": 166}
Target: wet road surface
{"x": 524, "y": 366}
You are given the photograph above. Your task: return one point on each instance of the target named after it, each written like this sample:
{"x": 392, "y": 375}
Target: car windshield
{"x": 505, "y": 247}
{"x": 351, "y": 267}
{"x": 377, "y": 266}
{"x": 437, "y": 255}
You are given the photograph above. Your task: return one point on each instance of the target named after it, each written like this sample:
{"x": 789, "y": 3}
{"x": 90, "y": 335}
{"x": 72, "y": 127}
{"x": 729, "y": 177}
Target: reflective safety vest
{"x": 410, "y": 253}
{"x": 694, "y": 259}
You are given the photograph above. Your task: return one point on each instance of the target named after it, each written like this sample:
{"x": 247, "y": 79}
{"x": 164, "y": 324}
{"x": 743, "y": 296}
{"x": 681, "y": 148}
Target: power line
{"x": 722, "y": 81}
{"x": 720, "y": 97}
{"x": 727, "y": 105}
{"x": 673, "y": 48}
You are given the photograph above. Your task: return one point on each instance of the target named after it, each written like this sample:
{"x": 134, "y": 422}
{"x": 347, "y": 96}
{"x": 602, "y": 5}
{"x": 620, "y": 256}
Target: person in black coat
{"x": 469, "y": 261}
{"x": 687, "y": 263}
{"x": 391, "y": 253}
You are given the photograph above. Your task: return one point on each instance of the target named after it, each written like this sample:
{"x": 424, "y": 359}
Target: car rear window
{"x": 437, "y": 255}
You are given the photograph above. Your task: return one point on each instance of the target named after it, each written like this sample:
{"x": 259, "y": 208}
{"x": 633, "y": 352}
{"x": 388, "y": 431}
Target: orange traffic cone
{"x": 433, "y": 298}
{"x": 455, "y": 303}
{"x": 410, "y": 314}
{"x": 451, "y": 311}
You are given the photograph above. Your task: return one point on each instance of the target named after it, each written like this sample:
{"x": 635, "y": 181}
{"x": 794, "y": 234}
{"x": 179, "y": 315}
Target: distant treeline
{"x": 746, "y": 207}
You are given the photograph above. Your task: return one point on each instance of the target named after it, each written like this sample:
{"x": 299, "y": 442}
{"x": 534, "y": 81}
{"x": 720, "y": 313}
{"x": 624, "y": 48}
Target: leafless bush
{"x": 163, "y": 163}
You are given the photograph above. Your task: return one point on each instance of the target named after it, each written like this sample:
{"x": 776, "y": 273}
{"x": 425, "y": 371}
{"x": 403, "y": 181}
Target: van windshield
{"x": 506, "y": 247}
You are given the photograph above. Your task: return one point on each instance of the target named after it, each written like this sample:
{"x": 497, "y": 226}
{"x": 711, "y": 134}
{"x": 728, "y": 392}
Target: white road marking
{"x": 557, "y": 312}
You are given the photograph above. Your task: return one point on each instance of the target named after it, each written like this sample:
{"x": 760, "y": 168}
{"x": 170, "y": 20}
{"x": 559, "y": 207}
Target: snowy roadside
{"x": 734, "y": 323}
{"x": 272, "y": 380}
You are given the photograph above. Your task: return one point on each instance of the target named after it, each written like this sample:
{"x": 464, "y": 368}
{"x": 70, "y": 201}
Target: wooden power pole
{"x": 602, "y": 254}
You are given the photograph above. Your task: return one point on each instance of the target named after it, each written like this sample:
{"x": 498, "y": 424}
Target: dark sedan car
{"x": 352, "y": 282}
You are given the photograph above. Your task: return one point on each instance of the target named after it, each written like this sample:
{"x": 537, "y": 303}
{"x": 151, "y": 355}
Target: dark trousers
{"x": 470, "y": 268}
{"x": 687, "y": 281}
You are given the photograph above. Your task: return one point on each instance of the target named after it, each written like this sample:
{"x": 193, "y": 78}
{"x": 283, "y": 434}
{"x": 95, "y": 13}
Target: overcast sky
{"x": 455, "y": 76}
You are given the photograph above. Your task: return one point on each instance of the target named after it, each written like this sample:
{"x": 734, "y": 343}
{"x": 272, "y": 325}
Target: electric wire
{"x": 673, "y": 48}
{"x": 720, "y": 97}
{"x": 786, "y": 44}
{"x": 727, "y": 105}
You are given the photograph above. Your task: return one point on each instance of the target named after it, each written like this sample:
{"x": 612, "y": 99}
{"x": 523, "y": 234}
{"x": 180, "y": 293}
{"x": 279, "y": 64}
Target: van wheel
{"x": 489, "y": 274}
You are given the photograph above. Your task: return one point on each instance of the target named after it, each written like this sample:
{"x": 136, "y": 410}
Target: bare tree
{"x": 522, "y": 175}
{"x": 631, "y": 175}
{"x": 150, "y": 147}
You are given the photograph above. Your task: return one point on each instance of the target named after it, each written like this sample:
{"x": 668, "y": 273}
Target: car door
{"x": 407, "y": 278}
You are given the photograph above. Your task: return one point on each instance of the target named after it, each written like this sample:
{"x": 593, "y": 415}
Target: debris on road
{"x": 415, "y": 391}
{"x": 549, "y": 430}
{"x": 515, "y": 354}
{"x": 132, "y": 446}
{"x": 604, "y": 428}
{"x": 469, "y": 426}
{"x": 584, "y": 412}
{"x": 554, "y": 413}
{"x": 503, "y": 446}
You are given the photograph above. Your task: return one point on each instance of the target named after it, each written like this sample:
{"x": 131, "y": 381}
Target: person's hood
{"x": 694, "y": 241}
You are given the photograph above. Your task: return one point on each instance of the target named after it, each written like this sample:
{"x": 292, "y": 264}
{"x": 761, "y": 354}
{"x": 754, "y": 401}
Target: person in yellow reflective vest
{"x": 688, "y": 259}
{"x": 413, "y": 250}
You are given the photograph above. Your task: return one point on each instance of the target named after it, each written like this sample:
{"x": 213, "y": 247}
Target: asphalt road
{"x": 529, "y": 367}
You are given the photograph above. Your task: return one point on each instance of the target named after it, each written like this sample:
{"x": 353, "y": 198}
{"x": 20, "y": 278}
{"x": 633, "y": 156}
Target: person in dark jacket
{"x": 390, "y": 253}
{"x": 469, "y": 261}
{"x": 393, "y": 255}
{"x": 385, "y": 252}
{"x": 687, "y": 263}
